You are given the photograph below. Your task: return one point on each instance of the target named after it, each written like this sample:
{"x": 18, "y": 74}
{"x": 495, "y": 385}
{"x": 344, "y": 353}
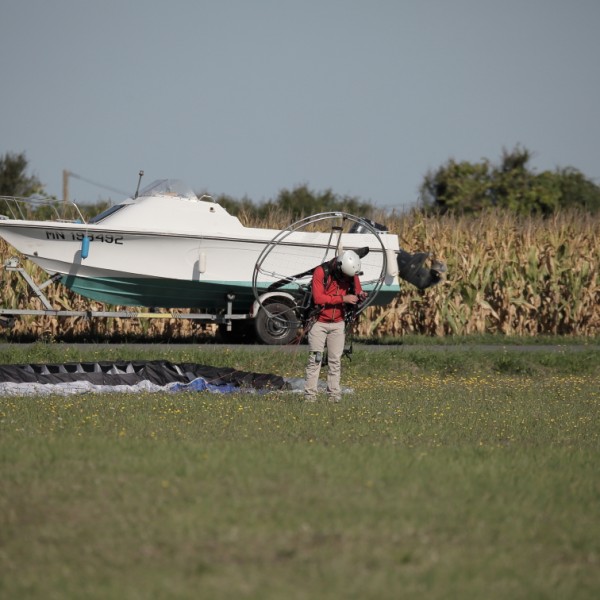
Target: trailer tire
{"x": 272, "y": 331}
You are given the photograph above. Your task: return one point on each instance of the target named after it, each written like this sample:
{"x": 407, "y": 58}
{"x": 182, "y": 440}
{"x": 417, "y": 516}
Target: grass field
{"x": 446, "y": 474}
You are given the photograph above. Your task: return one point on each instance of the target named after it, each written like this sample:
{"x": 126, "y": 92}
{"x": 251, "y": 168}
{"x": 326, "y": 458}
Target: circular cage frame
{"x": 365, "y": 225}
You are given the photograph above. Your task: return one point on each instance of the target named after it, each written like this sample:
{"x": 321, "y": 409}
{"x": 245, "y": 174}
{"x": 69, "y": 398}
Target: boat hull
{"x": 175, "y": 293}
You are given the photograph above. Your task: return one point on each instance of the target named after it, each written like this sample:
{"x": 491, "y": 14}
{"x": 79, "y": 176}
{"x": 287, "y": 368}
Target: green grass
{"x": 460, "y": 474}
{"x": 486, "y": 339}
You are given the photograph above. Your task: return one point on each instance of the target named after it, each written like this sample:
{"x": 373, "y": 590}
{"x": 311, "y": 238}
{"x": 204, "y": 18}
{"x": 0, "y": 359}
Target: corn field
{"x": 506, "y": 275}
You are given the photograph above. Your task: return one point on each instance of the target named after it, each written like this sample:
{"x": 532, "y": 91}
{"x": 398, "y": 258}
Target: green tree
{"x": 470, "y": 188}
{"x": 14, "y": 180}
{"x": 515, "y": 187}
{"x": 298, "y": 202}
{"x": 577, "y": 190}
{"x": 302, "y": 201}
{"x": 460, "y": 186}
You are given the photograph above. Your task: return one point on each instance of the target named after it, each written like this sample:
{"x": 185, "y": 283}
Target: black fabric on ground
{"x": 159, "y": 372}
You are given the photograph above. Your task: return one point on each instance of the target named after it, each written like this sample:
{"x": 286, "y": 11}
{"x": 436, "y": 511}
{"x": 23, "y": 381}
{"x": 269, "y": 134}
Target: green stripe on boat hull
{"x": 163, "y": 293}
{"x": 176, "y": 293}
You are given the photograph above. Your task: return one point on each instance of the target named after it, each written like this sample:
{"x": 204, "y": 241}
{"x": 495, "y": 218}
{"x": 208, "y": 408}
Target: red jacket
{"x": 329, "y": 293}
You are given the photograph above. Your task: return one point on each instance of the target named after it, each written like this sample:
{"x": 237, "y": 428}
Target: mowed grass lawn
{"x": 446, "y": 474}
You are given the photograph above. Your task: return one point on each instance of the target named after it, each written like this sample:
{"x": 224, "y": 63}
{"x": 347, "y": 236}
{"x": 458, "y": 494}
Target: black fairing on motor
{"x": 411, "y": 268}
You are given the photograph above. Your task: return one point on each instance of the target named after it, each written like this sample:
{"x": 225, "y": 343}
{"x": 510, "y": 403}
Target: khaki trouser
{"x": 333, "y": 336}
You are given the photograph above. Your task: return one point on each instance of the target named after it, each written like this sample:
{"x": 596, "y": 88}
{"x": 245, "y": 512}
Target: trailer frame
{"x": 7, "y": 314}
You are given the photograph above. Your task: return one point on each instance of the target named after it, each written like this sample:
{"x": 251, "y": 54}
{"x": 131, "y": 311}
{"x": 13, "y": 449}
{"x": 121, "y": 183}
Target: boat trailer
{"x": 7, "y": 315}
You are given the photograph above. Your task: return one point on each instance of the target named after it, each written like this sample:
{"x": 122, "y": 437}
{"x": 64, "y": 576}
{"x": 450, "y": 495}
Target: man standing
{"x": 334, "y": 286}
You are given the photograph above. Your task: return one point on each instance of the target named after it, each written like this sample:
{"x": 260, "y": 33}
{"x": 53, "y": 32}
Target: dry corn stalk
{"x": 506, "y": 274}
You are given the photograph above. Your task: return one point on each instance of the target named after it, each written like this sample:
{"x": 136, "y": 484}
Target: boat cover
{"x": 132, "y": 376}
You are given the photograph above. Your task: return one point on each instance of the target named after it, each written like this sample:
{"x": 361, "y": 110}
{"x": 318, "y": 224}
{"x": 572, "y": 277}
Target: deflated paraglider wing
{"x": 411, "y": 268}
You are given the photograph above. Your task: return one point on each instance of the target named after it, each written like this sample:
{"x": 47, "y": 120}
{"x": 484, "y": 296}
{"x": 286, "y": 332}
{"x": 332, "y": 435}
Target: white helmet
{"x": 349, "y": 263}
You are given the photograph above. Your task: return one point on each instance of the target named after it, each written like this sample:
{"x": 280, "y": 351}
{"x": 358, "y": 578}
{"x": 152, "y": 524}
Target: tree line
{"x": 465, "y": 187}
{"x": 460, "y": 187}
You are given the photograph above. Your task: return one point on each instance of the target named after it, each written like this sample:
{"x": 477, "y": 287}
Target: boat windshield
{"x": 109, "y": 211}
{"x": 160, "y": 187}
{"x": 169, "y": 187}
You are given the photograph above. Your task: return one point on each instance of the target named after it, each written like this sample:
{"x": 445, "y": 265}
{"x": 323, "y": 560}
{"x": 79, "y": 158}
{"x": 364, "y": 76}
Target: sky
{"x": 249, "y": 97}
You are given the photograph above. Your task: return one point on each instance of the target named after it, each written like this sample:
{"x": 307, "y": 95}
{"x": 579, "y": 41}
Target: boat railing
{"x": 38, "y": 209}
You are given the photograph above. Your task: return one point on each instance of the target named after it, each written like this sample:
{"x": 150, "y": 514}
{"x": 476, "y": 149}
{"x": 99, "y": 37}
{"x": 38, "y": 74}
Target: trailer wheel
{"x": 278, "y": 327}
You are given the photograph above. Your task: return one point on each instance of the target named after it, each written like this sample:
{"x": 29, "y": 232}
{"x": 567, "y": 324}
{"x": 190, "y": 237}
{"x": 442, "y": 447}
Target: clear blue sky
{"x": 246, "y": 97}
